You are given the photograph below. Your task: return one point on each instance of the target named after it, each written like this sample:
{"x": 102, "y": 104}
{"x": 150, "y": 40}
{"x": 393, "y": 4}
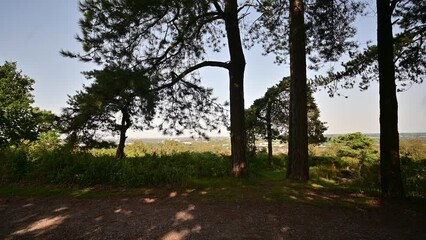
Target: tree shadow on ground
{"x": 203, "y": 214}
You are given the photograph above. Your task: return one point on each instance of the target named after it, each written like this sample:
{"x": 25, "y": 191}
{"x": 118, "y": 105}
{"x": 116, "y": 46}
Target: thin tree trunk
{"x": 298, "y": 140}
{"x": 236, "y": 89}
{"x": 269, "y": 134}
{"x": 125, "y": 124}
{"x": 390, "y": 169}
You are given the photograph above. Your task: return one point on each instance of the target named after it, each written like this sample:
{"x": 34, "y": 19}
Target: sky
{"x": 33, "y": 33}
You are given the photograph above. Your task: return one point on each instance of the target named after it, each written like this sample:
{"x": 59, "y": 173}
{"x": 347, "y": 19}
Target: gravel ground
{"x": 183, "y": 218}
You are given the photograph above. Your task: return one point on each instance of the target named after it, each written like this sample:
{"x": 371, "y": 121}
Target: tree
{"x": 320, "y": 28}
{"x": 18, "y": 119}
{"x": 270, "y": 116}
{"x": 390, "y": 169}
{"x": 397, "y": 59}
{"x": 356, "y": 148}
{"x": 114, "y": 91}
{"x": 168, "y": 39}
{"x": 120, "y": 99}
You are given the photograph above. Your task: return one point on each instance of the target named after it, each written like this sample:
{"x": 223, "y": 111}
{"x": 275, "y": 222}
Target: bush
{"x": 414, "y": 177}
{"x": 413, "y": 148}
{"x": 355, "y": 152}
{"x": 13, "y": 163}
{"x": 66, "y": 166}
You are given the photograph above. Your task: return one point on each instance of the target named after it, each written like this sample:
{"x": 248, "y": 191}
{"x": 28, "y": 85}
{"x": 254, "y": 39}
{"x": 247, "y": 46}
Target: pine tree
{"x": 268, "y": 117}
{"x": 168, "y": 39}
{"x": 319, "y": 29}
{"x": 397, "y": 62}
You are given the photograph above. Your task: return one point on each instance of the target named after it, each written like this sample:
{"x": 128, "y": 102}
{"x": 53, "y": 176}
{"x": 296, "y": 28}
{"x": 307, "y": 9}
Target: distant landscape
{"x": 375, "y": 136}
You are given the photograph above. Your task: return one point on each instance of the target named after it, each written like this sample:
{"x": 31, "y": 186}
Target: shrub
{"x": 413, "y": 148}
{"x": 67, "y": 166}
{"x": 355, "y": 151}
{"x": 414, "y": 177}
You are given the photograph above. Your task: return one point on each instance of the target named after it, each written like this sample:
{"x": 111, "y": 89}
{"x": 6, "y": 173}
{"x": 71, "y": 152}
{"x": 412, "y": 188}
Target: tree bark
{"x": 125, "y": 124}
{"x": 236, "y": 89}
{"x": 269, "y": 133}
{"x": 390, "y": 169}
{"x": 298, "y": 167}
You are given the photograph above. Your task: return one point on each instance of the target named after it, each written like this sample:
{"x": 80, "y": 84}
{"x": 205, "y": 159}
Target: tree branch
{"x": 177, "y": 78}
{"x": 219, "y": 9}
{"x": 393, "y": 6}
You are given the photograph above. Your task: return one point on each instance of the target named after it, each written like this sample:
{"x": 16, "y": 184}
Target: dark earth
{"x": 176, "y": 216}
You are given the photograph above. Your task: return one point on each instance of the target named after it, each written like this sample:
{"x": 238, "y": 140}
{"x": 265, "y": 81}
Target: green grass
{"x": 56, "y": 191}
{"x": 26, "y": 171}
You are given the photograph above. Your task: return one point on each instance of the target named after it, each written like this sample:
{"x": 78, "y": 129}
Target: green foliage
{"x": 414, "y": 177}
{"x": 69, "y": 167}
{"x": 414, "y": 149}
{"x": 328, "y": 25}
{"x": 148, "y": 164}
{"x": 350, "y": 159}
{"x": 356, "y": 150}
{"x": 273, "y": 109}
{"x": 16, "y": 121}
{"x": 259, "y": 163}
{"x": 19, "y": 121}
{"x": 117, "y": 100}
{"x": 409, "y": 54}
{"x": 13, "y": 163}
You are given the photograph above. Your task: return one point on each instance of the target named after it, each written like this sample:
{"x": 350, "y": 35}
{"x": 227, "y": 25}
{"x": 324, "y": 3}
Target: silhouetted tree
{"x": 168, "y": 39}
{"x": 319, "y": 28}
{"x": 96, "y": 108}
{"x": 268, "y": 117}
{"x": 397, "y": 62}
{"x": 120, "y": 99}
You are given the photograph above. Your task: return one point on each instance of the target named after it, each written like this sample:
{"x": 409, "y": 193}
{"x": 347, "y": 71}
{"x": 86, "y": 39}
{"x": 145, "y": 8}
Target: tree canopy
{"x": 167, "y": 40}
{"x": 397, "y": 61}
{"x": 120, "y": 99}
{"x": 320, "y": 30}
{"x": 18, "y": 119}
{"x": 409, "y": 51}
{"x": 273, "y": 109}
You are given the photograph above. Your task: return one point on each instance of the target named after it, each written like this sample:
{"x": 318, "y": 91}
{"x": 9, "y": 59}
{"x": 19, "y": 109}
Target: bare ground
{"x": 177, "y": 216}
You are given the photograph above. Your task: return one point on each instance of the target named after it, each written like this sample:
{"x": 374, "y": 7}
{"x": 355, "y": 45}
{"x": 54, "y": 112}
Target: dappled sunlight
{"x": 182, "y": 234}
{"x": 285, "y": 229}
{"x": 60, "y": 209}
{"x": 316, "y": 186}
{"x": 187, "y": 192}
{"x": 42, "y": 225}
{"x": 149, "y": 200}
{"x": 123, "y": 211}
{"x": 82, "y": 192}
{"x": 180, "y": 218}
{"x": 28, "y": 205}
{"x": 183, "y": 216}
{"x": 172, "y": 194}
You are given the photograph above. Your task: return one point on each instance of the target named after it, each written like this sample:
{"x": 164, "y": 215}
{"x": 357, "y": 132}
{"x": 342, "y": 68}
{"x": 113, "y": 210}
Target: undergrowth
{"x": 354, "y": 169}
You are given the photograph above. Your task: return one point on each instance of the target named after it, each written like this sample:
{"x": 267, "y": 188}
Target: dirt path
{"x": 185, "y": 218}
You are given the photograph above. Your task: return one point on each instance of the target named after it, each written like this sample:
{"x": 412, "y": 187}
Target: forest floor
{"x": 268, "y": 211}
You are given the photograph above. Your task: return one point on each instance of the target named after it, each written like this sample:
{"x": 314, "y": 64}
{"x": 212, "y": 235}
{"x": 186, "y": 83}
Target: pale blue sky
{"x": 33, "y": 32}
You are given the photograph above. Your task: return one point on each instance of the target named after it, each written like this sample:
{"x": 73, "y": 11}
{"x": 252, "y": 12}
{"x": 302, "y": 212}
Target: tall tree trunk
{"x": 390, "y": 169}
{"x": 125, "y": 124}
{"x": 236, "y": 89}
{"x": 298, "y": 167}
{"x": 269, "y": 133}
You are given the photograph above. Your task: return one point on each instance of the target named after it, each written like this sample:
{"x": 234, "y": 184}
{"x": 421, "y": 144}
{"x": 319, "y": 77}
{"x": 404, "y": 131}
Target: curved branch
{"x": 177, "y": 78}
